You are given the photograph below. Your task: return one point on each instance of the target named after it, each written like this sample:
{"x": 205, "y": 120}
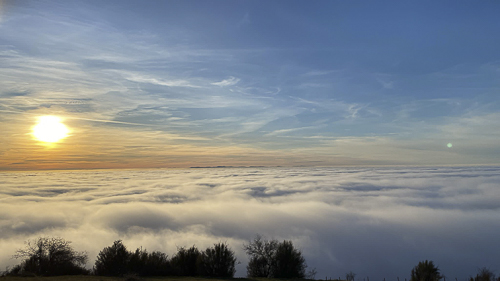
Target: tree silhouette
{"x": 274, "y": 259}
{"x": 218, "y": 261}
{"x": 149, "y": 264}
{"x": 158, "y": 264}
{"x": 262, "y": 257}
{"x": 137, "y": 261}
{"x": 350, "y": 276}
{"x": 484, "y": 274}
{"x": 425, "y": 271}
{"x": 311, "y": 274}
{"x": 112, "y": 260}
{"x": 289, "y": 261}
{"x": 184, "y": 263}
{"x": 50, "y": 256}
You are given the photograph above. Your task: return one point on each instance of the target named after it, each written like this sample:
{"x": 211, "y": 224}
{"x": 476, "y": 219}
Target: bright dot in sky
{"x": 449, "y": 145}
{"x": 50, "y": 129}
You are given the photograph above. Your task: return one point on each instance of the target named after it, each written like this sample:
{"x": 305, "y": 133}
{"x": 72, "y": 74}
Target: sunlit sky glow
{"x": 50, "y": 129}
{"x": 271, "y": 83}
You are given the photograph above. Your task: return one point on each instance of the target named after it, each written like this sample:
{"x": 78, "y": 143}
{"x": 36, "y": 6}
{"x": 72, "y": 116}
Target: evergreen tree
{"x": 112, "y": 260}
{"x": 425, "y": 271}
{"x": 289, "y": 261}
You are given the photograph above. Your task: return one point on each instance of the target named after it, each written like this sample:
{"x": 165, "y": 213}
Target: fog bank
{"x": 376, "y": 222}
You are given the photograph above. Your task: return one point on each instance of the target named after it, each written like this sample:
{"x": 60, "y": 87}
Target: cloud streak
{"x": 227, "y": 82}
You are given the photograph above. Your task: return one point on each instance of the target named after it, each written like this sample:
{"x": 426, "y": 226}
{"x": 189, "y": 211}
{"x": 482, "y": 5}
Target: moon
{"x": 449, "y": 145}
{"x": 50, "y": 129}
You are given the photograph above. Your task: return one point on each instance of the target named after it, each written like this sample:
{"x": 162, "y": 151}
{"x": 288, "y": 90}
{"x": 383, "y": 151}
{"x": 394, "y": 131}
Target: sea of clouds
{"x": 377, "y": 222}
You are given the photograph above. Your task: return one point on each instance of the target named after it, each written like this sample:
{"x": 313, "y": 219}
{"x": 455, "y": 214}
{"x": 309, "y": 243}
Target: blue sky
{"x": 188, "y": 83}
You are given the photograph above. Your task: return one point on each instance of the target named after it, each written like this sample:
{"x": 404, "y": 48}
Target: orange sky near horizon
{"x": 95, "y": 145}
{"x": 147, "y": 86}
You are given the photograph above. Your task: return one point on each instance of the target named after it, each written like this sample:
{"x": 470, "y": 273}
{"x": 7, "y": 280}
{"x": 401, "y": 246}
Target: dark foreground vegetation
{"x": 427, "y": 271}
{"x": 273, "y": 259}
{"x": 56, "y": 258}
{"x": 127, "y": 278}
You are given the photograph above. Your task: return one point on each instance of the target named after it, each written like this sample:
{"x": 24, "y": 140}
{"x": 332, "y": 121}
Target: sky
{"x": 250, "y": 83}
{"x": 376, "y": 222}
{"x": 177, "y": 84}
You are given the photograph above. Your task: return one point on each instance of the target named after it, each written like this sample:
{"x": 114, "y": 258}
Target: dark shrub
{"x": 48, "y": 257}
{"x": 425, "y": 271}
{"x": 218, "y": 261}
{"x": 158, "y": 264}
{"x": 137, "y": 262}
{"x": 149, "y": 264}
{"x": 112, "y": 260}
{"x": 184, "y": 263}
{"x": 258, "y": 267}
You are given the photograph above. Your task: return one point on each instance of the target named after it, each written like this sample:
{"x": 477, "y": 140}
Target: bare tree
{"x": 262, "y": 253}
{"x": 51, "y": 256}
{"x": 311, "y": 273}
{"x": 350, "y": 276}
{"x": 484, "y": 274}
{"x": 270, "y": 258}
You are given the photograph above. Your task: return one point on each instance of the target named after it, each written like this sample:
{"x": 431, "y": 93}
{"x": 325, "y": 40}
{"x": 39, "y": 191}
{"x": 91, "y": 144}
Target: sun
{"x": 49, "y": 129}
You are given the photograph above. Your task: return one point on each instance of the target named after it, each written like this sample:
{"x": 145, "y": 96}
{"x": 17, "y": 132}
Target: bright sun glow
{"x": 50, "y": 129}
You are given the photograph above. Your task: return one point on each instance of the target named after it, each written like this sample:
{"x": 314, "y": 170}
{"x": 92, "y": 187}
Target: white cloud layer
{"x": 377, "y": 222}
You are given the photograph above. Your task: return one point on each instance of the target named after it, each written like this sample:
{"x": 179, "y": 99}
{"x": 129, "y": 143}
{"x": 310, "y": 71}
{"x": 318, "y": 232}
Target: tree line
{"x": 427, "y": 271}
{"x": 51, "y": 256}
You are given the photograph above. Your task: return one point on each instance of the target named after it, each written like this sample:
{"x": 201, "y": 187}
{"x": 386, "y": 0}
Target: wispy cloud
{"x": 318, "y": 72}
{"x": 161, "y": 82}
{"x": 386, "y": 84}
{"x": 286, "y": 131}
{"x": 227, "y": 82}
